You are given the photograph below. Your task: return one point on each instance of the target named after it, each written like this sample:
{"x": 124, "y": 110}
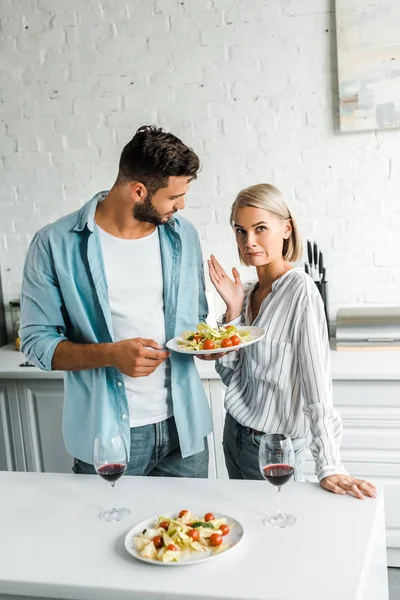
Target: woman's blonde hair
{"x": 268, "y": 197}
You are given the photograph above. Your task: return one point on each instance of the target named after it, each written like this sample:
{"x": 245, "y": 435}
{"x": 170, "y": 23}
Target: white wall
{"x": 251, "y": 85}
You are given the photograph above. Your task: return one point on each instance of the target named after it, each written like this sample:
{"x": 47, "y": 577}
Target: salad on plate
{"x": 210, "y": 338}
{"x": 174, "y": 539}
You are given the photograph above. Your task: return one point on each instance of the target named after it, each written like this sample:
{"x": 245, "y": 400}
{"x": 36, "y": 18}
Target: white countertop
{"x": 53, "y": 544}
{"x": 356, "y": 364}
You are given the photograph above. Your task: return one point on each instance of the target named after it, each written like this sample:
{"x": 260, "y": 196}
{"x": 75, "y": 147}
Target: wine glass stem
{"x": 278, "y": 489}
{"x": 114, "y": 507}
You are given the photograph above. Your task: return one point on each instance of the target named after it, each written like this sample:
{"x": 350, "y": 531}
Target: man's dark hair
{"x": 152, "y": 156}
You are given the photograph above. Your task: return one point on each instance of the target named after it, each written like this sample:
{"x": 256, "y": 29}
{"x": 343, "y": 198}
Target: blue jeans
{"x": 155, "y": 451}
{"x": 241, "y": 447}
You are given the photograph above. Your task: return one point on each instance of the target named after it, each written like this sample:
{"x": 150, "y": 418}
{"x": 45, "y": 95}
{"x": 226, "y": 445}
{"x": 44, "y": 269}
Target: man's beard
{"x": 148, "y": 212}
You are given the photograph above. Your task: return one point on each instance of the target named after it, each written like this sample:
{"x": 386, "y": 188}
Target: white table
{"x": 53, "y": 545}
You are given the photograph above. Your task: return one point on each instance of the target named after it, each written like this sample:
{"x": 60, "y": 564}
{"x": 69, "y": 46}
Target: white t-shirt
{"x": 135, "y": 292}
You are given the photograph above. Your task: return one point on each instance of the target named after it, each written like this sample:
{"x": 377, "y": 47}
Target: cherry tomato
{"x": 172, "y": 547}
{"x": 164, "y": 525}
{"x": 197, "y": 338}
{"x": 194, "y": 534}
{"x": 182, "y": 513}
{"x": 209, "y": 517}
{"x": 215, "y": 539}
{"x": 226, "y": 342}
{"x": 235, "y": 339}
{"x": 224, "y": 529}
{"x": 208, "y": 345}
{"x": 158, "y": 542}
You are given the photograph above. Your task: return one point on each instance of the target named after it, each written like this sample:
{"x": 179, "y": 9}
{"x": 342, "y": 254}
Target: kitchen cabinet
{"x": 12, "y": 456}
{"x": 7, "y": 461}
{"x": 41, "y": 405}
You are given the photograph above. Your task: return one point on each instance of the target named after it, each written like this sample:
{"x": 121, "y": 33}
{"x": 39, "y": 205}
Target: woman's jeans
{"x": 241, "y": 447}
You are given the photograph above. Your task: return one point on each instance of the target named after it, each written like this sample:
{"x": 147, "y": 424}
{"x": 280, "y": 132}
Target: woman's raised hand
{"x": 230, "y": 290}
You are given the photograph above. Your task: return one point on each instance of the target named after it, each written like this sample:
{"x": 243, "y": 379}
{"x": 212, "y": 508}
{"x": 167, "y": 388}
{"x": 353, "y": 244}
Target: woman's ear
{"x": 288, "y": 229}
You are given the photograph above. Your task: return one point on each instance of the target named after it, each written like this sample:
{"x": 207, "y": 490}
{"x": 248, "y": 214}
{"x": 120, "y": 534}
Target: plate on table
{"x": 255, "y": 335}
{"x": 186, "y": 557}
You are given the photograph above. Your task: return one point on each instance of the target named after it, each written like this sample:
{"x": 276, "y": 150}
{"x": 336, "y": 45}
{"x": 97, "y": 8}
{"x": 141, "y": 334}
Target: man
{"x": 104, "y": 288}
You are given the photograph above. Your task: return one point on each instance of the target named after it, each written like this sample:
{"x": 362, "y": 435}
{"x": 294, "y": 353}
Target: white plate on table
{"x": 233, "y": 538}
{"x": 256, "y": 333}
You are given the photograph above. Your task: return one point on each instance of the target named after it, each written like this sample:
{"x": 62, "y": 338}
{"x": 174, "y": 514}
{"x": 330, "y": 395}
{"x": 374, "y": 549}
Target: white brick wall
{"x": 252, "y": 86}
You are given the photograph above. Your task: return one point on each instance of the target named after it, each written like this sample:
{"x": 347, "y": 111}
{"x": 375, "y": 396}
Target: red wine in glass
{"x": 110, "y": 461}
{"x": 278, "y": 474}
{"x": 112, "y": 472}
{"x": 276, "y": 462}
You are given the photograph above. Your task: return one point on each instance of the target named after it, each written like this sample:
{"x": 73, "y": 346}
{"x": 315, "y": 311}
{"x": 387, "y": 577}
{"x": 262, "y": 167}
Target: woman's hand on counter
{"x": 342, "y": 484}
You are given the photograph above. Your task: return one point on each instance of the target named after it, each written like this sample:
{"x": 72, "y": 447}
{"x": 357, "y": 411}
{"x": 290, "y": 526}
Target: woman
{"x": 281, "y": 384}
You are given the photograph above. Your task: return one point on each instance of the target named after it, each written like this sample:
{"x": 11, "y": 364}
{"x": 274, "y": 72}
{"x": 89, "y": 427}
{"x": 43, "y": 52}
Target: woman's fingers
{"x": 217, "y": 267}
{"x": 331, "y": 487}
{"x": 353, "y": 488}
{"x": 367, "y": 490}
{"x": 210, "y": 356}
{"x": 350, "y": 486}
{"x": 212, "y": 273}
{"x": 236, "y": 276}
{"x": 342, "y": 484}
{"x": 366, "y": 487}
{"x": 369, "y": 483}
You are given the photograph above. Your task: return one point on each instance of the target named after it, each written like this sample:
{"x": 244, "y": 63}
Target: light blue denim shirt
{"x": 64, "y": 297}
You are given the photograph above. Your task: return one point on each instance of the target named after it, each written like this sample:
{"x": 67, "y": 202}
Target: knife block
{"x": 323, "y": 290}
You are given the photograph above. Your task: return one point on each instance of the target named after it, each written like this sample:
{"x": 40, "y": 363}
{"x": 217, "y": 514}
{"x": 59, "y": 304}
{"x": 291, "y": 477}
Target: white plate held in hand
{"x": 256, "y": 334}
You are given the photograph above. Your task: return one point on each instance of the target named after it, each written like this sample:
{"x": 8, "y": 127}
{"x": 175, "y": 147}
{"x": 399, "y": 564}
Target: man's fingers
{"x": 149, "y": 343}
{"x": 150, "y": 361}
{"x": 145, "y": 369}
{"x": 148, "y": 352}
{"x": 143, "y": 373}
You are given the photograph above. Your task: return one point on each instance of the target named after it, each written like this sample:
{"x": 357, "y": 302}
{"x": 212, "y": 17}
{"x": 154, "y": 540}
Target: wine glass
{"x": 276, "y": 460}
{"x": 110, "y": 462}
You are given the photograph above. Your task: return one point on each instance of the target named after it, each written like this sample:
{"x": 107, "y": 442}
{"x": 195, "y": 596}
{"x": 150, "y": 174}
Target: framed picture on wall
{"x": 368, "y": 42}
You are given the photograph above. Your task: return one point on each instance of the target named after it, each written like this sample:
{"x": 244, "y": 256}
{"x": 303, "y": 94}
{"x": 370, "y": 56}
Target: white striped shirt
{"x": 283, "y": 383}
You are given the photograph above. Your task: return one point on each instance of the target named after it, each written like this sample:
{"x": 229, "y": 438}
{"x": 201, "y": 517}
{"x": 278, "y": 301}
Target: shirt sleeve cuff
{"x": 41, "y": 354}
{"x": 222, "y": 321}
{"x": 331, "y": 470}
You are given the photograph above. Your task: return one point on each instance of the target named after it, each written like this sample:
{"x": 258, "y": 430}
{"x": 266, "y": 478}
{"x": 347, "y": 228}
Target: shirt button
{"x": 119, "y": 383}
{"x": 124, "y": 416}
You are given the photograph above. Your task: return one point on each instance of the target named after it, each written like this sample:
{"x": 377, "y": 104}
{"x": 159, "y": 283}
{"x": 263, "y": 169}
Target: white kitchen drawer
{"x": 366, "y": 393}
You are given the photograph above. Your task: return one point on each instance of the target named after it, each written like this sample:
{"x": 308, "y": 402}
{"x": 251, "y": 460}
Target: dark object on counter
{"x": 323, "y": 290}
{"x": 315, "y": 268}
{"x": 316, "y": 257}
{"x": 321, "y": 266}
{"x": 3, "y": 329}
{"x": 310, "y": 258}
